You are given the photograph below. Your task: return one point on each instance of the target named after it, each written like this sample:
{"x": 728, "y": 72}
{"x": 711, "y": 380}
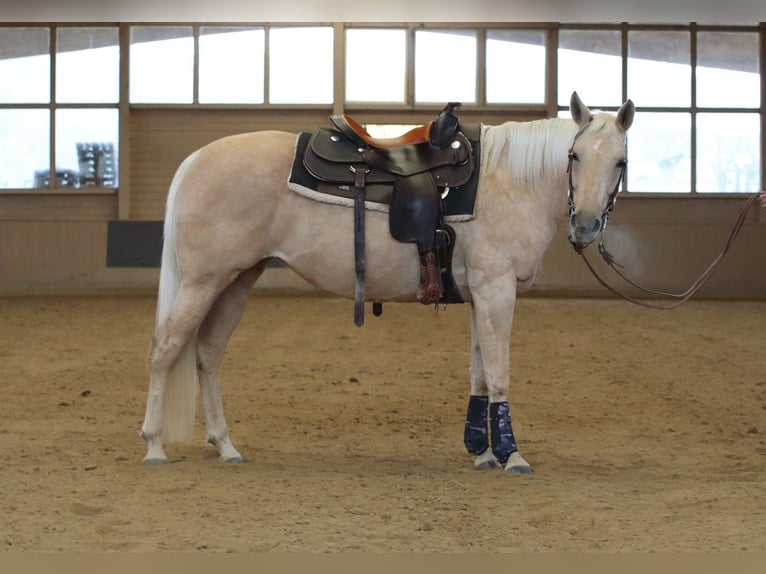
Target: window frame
{"x": 53, "y": 105}
{"x": 479, "y": 110}
{"x": 693, "y": 109}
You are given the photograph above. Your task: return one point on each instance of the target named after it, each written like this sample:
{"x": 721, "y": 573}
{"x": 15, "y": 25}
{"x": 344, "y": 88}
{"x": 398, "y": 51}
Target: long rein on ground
{"x": 681, "y": 298}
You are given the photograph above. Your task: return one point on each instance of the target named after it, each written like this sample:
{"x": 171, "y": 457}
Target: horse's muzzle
{"x": 583, "y": 230}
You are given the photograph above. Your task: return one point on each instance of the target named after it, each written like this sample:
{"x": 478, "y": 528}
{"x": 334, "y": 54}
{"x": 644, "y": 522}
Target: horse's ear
{"x": 580, "y": 112}
{"x": 624, "y": 117}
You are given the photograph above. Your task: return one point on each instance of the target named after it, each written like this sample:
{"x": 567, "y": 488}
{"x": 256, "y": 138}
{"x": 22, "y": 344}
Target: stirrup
{"x": 429, "y": 290}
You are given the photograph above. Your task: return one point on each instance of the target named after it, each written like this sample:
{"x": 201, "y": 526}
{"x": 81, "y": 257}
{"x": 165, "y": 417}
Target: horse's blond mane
{"x": 532, "y": 150}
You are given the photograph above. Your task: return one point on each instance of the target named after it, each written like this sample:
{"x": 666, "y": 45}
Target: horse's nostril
{"x": 584, "y": 226}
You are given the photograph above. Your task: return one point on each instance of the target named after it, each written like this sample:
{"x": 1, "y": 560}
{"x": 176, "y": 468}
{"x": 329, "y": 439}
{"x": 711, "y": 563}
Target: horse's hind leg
{"x": 212, "y": 339}
{"x": 170, "y": 338}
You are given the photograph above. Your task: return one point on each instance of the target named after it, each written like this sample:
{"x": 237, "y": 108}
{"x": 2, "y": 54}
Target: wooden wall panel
{"x": 664, "y": 256}
{"x": 54, "y": 207}
{"x": 61, "y": 256}
{"x": 161, "y": 139}
{"x": 39, "y": 256}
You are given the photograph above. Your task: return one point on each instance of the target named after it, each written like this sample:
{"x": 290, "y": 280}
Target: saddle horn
{"x": 444, "y": 126}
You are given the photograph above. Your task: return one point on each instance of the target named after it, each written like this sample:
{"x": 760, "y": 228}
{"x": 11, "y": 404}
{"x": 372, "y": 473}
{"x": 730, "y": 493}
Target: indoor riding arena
{"x": 644, "y": 429}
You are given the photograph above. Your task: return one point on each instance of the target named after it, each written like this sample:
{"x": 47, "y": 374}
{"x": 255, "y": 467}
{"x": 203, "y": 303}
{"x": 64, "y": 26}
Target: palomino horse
{"x": 229, "y": 212}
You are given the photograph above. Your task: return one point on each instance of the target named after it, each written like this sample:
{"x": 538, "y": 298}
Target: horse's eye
{"x": 574, "y": 156}
{"x": 621, "y": 164}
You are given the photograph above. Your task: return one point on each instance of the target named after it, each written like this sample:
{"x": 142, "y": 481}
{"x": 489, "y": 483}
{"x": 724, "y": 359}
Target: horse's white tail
{"x": 181, "y": 390}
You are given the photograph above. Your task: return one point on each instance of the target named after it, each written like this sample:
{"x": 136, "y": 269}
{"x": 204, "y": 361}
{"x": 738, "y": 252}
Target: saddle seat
{"x": 353, "y": 130}
{"x": 437, "y": 133}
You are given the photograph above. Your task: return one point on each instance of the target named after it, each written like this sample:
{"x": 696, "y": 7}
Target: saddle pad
{"x": 458, "y": 205}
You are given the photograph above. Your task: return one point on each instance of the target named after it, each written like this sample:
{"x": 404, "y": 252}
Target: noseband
{"x": 579, "y": 247}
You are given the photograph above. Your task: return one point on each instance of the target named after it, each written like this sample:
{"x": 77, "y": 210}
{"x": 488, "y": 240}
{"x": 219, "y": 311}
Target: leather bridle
{"x": 610, "y": 203}
{"x": 611, "y": 262}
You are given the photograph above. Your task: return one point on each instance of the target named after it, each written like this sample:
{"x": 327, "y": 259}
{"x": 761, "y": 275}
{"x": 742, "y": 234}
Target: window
{"x": 24, "y": 148}
{"x": 727, "y": 70}
{"x": 79, "y": 107}
{"x": 698, "y": 123}
{"x": 87, "y": 65}
{"x": 727, "y": 153}
{"x": 697, "y": 88}
{"x": 728, "y": 141}
{"x": 231, "y": 65}
{"x": 301, "y": 76}
{"x": 445, "y": 66}
{"x": 388, "y": 130}
{"x": 87, "y": 72}
{"x": 590, "y": 63}
{"x": 660, "y": 75}
{"x": 515, "y": 66}
{"x": 659, "y": 152}
{"x": 376, "y": 65}
{"x": 25, "y": 64}
{"x": 86, "y": 146}
{"x": 659, "y": 68}
{"x": 161, "y": 64}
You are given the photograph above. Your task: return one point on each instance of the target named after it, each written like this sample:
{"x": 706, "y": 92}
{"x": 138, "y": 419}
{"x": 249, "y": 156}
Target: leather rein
{"x": 680, "y": 298}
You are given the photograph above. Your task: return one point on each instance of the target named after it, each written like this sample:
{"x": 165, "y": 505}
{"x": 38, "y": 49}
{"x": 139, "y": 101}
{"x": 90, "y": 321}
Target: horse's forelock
{"x": 599, "y": 123}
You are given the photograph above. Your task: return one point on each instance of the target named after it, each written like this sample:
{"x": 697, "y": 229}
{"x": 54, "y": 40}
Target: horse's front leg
{"x": 476, "y": 434}
{"x": 491, "y": 321}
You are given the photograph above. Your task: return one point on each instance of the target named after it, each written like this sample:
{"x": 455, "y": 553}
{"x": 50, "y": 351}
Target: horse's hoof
{"x": 155, "y": 461}
{"x": 226, "y": 452}
{"x": 517, "y": 464}
{"x": 520, "y": 469}
{"x": 486, "y": 460}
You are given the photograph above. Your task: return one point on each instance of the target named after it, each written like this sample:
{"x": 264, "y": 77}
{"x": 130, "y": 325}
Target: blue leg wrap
{"x": 475, "y": 435}
{"x": 503, "y": 442}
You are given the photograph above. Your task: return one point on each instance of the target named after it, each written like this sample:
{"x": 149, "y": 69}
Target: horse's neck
{"x": 533, "y": 158}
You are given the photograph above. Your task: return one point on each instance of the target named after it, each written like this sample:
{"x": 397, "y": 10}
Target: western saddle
{"x": 422, "y": 166}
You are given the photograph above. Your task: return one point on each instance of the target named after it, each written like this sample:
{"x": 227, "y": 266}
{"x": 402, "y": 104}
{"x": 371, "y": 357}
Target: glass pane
{"x": 445, "y": 66}
{"x": 86, "y": 146}
{"x": 231, "y": 65}
{"x": 24, "y": 148}
{"x": 388, "y": 130}
{"x": 659, "y": 153}
{"x": 727, "y": 153}
{"x": 87, "y": 65}
{"x": 376, "y": 63}
{"x": 515, "y": 66}
{"x": 161, "y": 64}
{"x": 590, "y": 63}
{"x": 659, "y": 68}
{"x": 301, "y": 65}
{"x": 25, "y": 66}
{"x": 727, "y": 70}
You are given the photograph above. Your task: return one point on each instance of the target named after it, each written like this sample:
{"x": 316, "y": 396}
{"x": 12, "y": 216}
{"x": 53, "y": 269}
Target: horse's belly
{"x": 323, "y": 255}
{"x": 383, "y": 282}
